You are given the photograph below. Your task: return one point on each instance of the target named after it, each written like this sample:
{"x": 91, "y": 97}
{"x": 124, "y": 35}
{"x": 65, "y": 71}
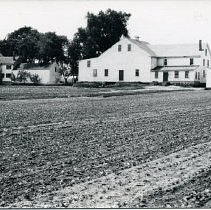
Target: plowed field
{"x": 49, "y": 146}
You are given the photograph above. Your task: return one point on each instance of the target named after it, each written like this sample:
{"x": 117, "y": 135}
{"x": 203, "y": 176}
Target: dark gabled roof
{"x": 6, "y": 60}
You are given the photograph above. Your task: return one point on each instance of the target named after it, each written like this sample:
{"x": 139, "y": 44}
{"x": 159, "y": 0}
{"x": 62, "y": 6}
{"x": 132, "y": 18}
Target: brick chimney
{"x": 200, "y": 45}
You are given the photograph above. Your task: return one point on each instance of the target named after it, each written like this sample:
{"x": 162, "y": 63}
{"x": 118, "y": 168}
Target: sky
{"x": 157, "y": 22}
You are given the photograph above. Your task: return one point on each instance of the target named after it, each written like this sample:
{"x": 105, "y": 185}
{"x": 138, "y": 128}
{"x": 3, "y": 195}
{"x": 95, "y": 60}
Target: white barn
{"x": 131, "y": 60}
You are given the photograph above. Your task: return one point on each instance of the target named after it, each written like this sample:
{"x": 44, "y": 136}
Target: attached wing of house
{"x": 181, "y": 63}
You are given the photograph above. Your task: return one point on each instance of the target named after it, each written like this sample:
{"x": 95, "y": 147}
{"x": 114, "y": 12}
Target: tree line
{"x": 101, "y": 32}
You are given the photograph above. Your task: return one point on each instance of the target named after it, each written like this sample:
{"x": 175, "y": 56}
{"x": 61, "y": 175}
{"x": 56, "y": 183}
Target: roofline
{"x": 133, "y": 42}
{"x": 179, "y": 56}
{"x": 5, "y": 63}
{"x": 159, "y": 67}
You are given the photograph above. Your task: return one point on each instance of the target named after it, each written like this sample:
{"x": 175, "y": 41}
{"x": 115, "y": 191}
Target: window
{"x": 94, "y": 72}
{"x": 205, "y": 52}
{"x": 88, "y": 63}
{"x": 204, "y": 73}
{"x": 176, "y": 74}
{"x": 119, "y": 47}
{"x": 198, "y": 75}
{"x": 186, "y": 74}
{"x": 106, "y": 72}
{"x": 137, "y": 72}
{"x": 8, "y": 66}
{"x": 165, "y": 62}
{"x": 208, "y": 63}
{"x": 191, "y": 61}
{"x": 2, "y": 75}
{"x": 8, "y": 75}
{"x": 156, "y": 75}
{"x": 55, "y": 69}
{"x": 129, "y": 47}
{"x": 203, "y": 62}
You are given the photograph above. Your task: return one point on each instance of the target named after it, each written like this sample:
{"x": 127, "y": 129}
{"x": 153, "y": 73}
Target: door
{"x": 121, "y": 75}
{"x": 165, "y": 76}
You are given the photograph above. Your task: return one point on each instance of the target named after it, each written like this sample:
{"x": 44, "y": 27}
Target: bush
{"x": 35, "y": 78}
{"x": 88, "y": 84}
{"x": 22, "y": 76}
{"x": 155, "y": 83}
{"x": 13, "y": 78}
{"x": 166, "y": 83}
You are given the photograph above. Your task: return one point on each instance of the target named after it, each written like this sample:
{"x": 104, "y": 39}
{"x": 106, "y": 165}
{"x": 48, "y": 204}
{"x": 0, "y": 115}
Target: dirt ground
{"x": 167, "y": 182}
{"x": 149, "y": 150}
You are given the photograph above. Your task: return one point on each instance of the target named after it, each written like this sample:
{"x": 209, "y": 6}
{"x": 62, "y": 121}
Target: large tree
{"x": 21, "y": 42}
{"x": 51, "y": 47}
{"x": 102, "y": 31}
{"x": 29, "y": 44}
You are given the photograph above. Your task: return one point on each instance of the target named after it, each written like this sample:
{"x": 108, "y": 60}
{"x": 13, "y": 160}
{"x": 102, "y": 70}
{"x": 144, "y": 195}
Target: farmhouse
{"x": 48, "y": 74}
{"x": 132, "y": 60}
{"x": 6, "y": 66}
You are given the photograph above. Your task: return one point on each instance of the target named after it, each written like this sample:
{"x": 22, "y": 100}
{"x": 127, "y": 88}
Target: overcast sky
{"x": 158, "y": 22}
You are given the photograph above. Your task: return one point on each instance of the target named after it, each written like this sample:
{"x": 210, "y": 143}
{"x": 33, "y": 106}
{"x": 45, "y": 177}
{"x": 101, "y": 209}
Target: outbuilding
{"x": 48, "y": 74}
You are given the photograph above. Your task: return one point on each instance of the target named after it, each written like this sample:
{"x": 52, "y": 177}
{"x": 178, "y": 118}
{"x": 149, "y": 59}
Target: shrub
{"x": 35, "y": 78}
{"x": 22, "y": 76}
{"x": 155, "y": 83}
{"x": 13, "y": 78}
{"x": 88, "y": 84}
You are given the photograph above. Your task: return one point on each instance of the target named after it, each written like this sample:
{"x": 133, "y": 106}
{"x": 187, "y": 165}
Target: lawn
{"x": 50, "y": 144}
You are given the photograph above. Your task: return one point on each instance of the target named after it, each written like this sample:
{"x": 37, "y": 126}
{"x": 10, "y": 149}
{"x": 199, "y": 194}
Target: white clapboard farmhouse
{"x": 132, "y": 60}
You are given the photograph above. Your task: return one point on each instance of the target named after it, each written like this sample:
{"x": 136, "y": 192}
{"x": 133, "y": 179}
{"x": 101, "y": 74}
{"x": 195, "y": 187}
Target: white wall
{"x": 208, "y": 82}
{"x": 159, "y": 79}
{"x": 6, "y": 71}
{"x": 179, "y": 61}
{"x": 47, "y": 76}
{"x": 171, "y": 76}
{"x": 114, "y": 61}
{"x": 44, "y": 75}
{"x": 181, "y": 78}
{"x": 54, "y": 74}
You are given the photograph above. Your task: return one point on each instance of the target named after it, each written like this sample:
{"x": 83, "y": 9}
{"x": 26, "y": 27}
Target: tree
{"x": 65, "y": 72}
{"x": 22, "y": 76}
{"x": 31, "y": 45}
{"x": 74, "y": 54}
{"x": 51, "y": 47}
{"x": 102, "y": 31}
{"x": 22, "y": 42}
